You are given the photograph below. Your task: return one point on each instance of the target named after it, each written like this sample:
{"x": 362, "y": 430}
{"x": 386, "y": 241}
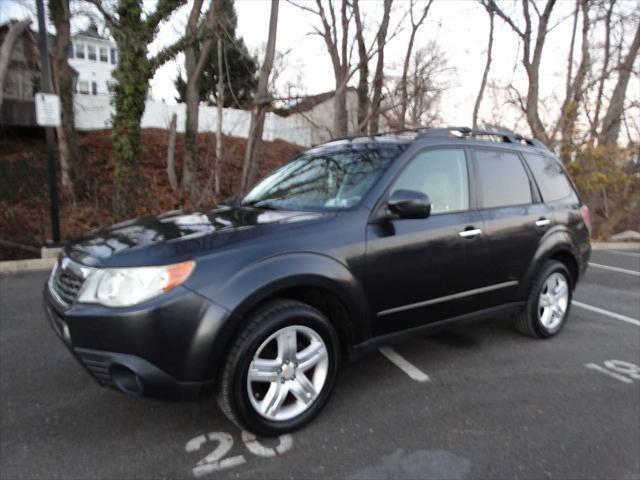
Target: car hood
{"x": 178, "y": 235}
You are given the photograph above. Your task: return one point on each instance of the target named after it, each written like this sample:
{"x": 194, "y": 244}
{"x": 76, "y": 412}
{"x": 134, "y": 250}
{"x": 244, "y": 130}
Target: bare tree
{"x": 195, "y": 57}
{"x": 14, "y": 32}
{"x": 428, "y": 77}
{"x": 487, "y": 65}
{"x": 415, "y": 26}
{"x": 574, "y": 86}
{"x": 605, "y": 68}
{"x": 336, "y": 40}
{"x": 262, "y": 102}
{"x": 363, "y": 70}
{"x": 60, "y": 14}
{"x": 531, "y": 57}
{"x": 613, "y": 118}
{"x": 378, "y": 76}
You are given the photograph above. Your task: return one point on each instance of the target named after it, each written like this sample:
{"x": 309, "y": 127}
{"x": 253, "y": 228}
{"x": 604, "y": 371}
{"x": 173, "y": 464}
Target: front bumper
{"x": 170, "y": 346}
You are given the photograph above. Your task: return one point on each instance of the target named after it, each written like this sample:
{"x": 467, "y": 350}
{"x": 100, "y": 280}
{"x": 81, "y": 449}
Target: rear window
{"x": 551, "y": 179}
{"x": 503, "y": 180}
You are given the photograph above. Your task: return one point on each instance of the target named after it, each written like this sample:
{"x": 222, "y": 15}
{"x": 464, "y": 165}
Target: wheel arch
{"x": 556, "y": 246}
{"x": 318, "y": 280}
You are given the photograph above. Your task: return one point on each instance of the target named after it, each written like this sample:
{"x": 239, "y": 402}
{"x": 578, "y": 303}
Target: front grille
{"x": 67, "y": 285}
{"x": 67, "y": 280}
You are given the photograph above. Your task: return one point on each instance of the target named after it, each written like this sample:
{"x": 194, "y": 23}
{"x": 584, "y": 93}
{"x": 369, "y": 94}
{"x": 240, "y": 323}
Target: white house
{"x": 94, "y": 57}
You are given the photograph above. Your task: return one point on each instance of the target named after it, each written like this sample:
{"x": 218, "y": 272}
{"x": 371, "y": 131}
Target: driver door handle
{"x": 474, "y": 232}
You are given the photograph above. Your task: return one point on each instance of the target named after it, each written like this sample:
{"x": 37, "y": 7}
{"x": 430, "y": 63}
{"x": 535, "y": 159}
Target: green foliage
{"x": 608, "y": 180}
{"x": 595, "y": 168}
{"x": 239, "y": 67}
{"x": 133, "y": 32}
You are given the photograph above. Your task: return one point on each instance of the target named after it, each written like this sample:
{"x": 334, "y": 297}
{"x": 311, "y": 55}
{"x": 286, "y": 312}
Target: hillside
{"x": 24, "y": 215}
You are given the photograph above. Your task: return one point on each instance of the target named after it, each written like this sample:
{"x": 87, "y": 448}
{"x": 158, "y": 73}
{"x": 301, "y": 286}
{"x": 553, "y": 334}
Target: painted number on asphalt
{"x": 625, "y": 372}
{"x": 223, "y": 441}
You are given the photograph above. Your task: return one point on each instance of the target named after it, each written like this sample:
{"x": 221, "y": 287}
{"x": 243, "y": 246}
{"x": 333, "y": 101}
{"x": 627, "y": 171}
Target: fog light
{"x": 126, "y": 379}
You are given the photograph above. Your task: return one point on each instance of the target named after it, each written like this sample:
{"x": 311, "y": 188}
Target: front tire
{"x": 281, "y": 369}
{"x": 549, "y": 302}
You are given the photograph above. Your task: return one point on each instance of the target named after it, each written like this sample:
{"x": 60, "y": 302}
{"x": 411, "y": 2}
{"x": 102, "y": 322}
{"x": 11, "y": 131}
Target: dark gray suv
{"x": 351, "y": 245}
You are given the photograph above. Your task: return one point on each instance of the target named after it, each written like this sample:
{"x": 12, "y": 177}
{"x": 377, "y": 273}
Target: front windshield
{"x": 322, "y": 181}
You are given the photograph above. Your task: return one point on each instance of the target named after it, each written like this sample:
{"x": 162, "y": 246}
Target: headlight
{"x": 122, "y": 287}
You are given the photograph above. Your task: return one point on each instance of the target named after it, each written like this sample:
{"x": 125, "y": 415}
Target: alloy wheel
{"x": 553, "y": 301}
{"x": 287, "y": 373}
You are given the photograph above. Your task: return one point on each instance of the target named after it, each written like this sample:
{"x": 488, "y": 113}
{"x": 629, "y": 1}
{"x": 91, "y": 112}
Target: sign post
{"x": 46, "y": 112}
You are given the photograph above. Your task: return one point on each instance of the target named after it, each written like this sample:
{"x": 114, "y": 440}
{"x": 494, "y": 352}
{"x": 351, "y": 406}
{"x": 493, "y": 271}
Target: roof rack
{"x": 374, "y": 135}
{"x": 465, "y": 132}
{"x": 503, "y": 136}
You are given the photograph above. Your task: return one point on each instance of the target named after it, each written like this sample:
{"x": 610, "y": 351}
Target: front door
{"x": 425, "y": 270}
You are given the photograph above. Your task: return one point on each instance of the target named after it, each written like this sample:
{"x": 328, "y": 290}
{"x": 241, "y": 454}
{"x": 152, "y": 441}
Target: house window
{"x": 91, "y": 52}
{"x": 94, "y": 88}
{"x": 79, "y": 48}
{"x": 113, "y": 56}
{"x": 70, "y": 49}
{"x": 104, "y": 57}
{"x": 83, "y": 87}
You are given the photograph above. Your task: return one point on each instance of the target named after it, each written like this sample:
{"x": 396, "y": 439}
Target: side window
{"x": 502, "y": 179}
{"x": 551, "y": 179}
{"x": 441, "y": 174}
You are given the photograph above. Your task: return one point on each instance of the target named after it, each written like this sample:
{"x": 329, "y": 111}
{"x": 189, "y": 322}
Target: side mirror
{"x": 409, "y": 204}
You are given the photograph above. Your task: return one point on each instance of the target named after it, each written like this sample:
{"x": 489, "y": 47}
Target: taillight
{"x": 586, "y": 217}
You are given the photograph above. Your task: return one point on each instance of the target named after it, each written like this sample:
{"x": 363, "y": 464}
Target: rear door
{"x": 514, "y": 218}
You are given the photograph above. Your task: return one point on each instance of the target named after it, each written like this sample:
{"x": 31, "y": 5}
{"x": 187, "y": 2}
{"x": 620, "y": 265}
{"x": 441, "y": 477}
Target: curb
{"x": 627, "y": 246}
{"x": 31, "y": 265}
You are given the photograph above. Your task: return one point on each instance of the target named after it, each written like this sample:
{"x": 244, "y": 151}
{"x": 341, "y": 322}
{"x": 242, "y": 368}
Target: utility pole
{"x": 45, "y": 85}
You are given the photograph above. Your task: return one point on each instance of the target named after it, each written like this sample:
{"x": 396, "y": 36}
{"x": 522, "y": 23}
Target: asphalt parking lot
{"x": 474, "y": 401}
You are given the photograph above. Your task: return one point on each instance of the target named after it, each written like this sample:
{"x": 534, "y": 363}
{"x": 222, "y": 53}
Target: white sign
{"x": 47, "y": 110}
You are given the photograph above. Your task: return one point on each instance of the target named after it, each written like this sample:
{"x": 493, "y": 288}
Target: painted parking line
{"x": 399, "y": 361}
{"x": 617, "y": 316}
{"x": 615, "y": 375}
{"x": 615, "y": 269}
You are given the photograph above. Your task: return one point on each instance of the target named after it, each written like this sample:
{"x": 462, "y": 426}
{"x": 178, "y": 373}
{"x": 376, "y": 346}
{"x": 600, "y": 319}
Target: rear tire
{"x": 281, "y": 369}
{"x": 549, "y": 302}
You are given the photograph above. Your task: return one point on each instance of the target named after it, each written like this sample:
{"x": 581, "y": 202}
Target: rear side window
{"x": 551, "y": 179}
{"x": 502, "y": 179}
{"x": 441, "y": 174}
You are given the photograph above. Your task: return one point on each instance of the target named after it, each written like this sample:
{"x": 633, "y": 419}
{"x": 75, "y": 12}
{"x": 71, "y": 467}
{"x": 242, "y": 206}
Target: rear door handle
{"x": 543, "y": 222}
{"x": 470, "y": 233}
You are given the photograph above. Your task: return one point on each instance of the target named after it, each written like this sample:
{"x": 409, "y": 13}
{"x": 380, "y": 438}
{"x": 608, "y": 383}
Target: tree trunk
{"x": 132, "y": 76}
{"x": 363, "y": 71}
{"x": 194, "y": 59}
{"x": 404, "y": 94}
{"x": 531, "y": 61}
{"x": 262, "y": 102}
{"x": 612, "y": 119}
{"x": 220, "y": 103}
{"x": 569, "y": 110}
{"x": 487, "y": 67}
{"x": 378, "y": 78}
{"x": 63, "y": 84}
{"x": 604, "y": 74}
{"x": 171, "y": 151}
{"x": 15, "y": 30}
